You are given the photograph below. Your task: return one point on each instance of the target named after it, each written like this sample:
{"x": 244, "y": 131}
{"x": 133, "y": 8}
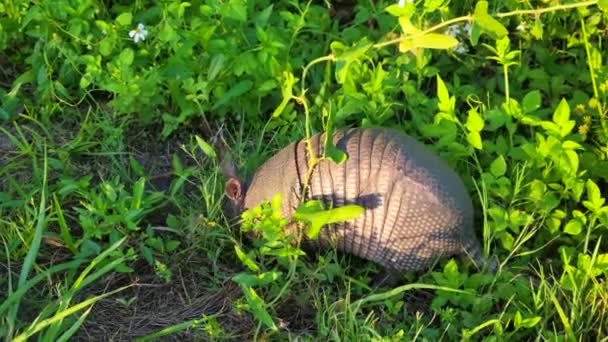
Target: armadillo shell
{"x": 416, "y": 208}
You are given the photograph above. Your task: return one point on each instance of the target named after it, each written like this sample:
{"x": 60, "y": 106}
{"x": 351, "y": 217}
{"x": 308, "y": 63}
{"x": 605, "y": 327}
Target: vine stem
{"x": 600, "y": 111}
{"x": 498, "y": 15}
{"x": 547, "y": 9}
{"x": 422, "y": 33}
{"x": 302, "y": 99}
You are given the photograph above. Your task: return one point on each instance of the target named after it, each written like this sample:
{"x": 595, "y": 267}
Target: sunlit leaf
{"x": 246, "y": 260}
{"x": 314, "y": 213}
{"x": 257, "y": 307}
{"x": 498, "y": 167}
{"x": 205, "y": 147}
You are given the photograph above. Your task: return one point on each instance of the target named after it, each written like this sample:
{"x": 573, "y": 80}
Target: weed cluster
{"x": 111, "y": 195}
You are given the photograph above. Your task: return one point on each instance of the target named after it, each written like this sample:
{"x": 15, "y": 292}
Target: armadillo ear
{"x": 233, "y": 189}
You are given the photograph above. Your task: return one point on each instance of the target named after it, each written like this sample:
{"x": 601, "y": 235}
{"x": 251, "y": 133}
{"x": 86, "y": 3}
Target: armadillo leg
{"x": 472, "y": 249}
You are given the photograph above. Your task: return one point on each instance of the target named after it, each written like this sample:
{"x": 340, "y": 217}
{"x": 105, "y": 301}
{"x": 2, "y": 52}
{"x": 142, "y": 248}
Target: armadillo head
{"x": 234, "y": 190}
{"x": 235, "y": 198}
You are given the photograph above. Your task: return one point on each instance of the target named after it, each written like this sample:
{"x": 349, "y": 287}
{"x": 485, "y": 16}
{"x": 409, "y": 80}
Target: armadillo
{"x": 416, "y": 208}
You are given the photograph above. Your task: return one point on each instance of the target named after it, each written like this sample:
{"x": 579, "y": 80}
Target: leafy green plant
{"x": 277, "y": 240}
{"x": 513, "y": 97}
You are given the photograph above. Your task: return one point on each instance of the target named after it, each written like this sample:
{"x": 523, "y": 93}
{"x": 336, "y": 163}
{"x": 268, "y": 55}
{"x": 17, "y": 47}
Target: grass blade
{"x": 35, "y": 245}
{"x": 78, "y": 283}
{"x": 16, "y": 296}
{"x": 74, "y": 328}
{"x": 65, "y": 313}
{"x": 63, "y": 227}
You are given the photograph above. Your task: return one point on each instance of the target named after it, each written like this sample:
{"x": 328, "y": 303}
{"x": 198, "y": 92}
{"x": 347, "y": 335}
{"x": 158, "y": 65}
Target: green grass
{"x": 111, "y": 189}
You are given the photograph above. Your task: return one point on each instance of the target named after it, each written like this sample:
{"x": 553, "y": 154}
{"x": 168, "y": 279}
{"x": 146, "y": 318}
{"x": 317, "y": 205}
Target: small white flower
{"x": 522, "y": 26}
{"x": 460, "y": 48}
{"x": 138, "y": 33}
{"x": 402, "y": 2}
{"x": 453, "y": 30}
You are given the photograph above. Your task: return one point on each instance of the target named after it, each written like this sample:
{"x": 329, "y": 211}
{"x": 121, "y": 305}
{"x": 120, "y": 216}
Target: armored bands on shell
{"x": 416, "y": 208}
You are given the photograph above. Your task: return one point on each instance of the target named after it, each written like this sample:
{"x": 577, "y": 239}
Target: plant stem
{"x": 600, "y": 112}
{"x": 505, "y": 69}
{"x": 547, "y": 9}
{"x": 499, "y": 15}
{"x": 422, "y": 33}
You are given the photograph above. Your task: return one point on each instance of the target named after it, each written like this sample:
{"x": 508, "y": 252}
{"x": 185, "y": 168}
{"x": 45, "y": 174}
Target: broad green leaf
{"x": 236, "y": 9}
{"x": 335, "y": 154}
{"x": 171, "y": 245}
{"x": 474, "y": 120}
{"x": 561, "y": 115}
{"x": 491, "y": 26}
{"x": 476, "y": 32}
{"x": 205, "y": 147}
{"x": 603, "y": 5}
{"x": 344, "y": 56}
{"x": 531, "y": 101}
{"x": 496, "y": 118}
{"x": 551, "y": 128}
{"x": 528, "y": 323}
{"x": 167, "y": 33}
{"x": 217, "y": 62}
{"x": 406, "y": 26}
{"x": 125, "y": 19}
{"x": 136, "y": 166}
{"x": 498, "y": 167}
{"x": 330, "y": 150}
{"x": 435, "y": 41}
{"x": 481, "y": 8}
{"x": 246, "y": 260}
{"x": 517, "y": 320}
{"x": 257, "y": 307}
{"x": 572, "y": 161}
{"x": 397, "y": 11}
{"x": 443, "y": 95}
{"x": 288, "y": 81}
{"x": 262, "y": 18}
{"x": 507, "y": 240}
{"x": 257, "y": 280}
{"x": 573, "y": 227}
{"x": 486, "y": 22}
{"x": 474, "y": 138}
{"x": 85, "y": 81}
{"x": 537, "y": 190}
{"x": 275, "y": 202}
{"x": 433, "y": 5}
{"x": 147, "y": 253}
{"x": 313, "y": 212}
{"x": 246, "y": 279}
{"x": 536, "y": 30}
{"x": 594, "y": 196}
{"x": 237, "y": 90}
{"x": 138, "y": 193}
{"x": 106, "y": 46}
{"x": 102, "y": 25}
{"x": 571, "y": 145}
{"x": 126, "y": 57}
